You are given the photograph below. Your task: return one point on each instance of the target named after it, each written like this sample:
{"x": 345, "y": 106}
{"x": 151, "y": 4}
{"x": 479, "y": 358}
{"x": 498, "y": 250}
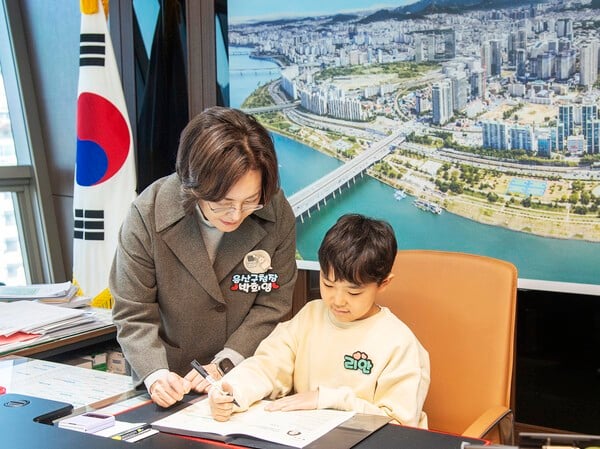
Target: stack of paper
{"x": 34, "y": 291}
{"x": 61, "y": 298}
{"x": 24, "y": 320}
{"x": 61, "y": 294}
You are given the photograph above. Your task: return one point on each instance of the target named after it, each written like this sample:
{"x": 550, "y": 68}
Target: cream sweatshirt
{"x": 374, "y": 366}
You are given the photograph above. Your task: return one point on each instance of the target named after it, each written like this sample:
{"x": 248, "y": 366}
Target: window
{"x": 11, "y": 263}
{"x": 28, "y": 236}
{"x": 12, "y": 245}
{"x": 9, "y": 217}
{"x": 8, "y": 155}
{"x": 14, "y": 271}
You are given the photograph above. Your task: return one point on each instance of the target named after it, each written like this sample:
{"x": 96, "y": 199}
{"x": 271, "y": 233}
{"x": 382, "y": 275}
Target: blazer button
{"x": 220, "y": 308}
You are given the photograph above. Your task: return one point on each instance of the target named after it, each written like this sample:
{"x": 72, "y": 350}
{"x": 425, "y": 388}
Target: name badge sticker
{"x": 257, "y": 261}
{"x": 254, "y": 283}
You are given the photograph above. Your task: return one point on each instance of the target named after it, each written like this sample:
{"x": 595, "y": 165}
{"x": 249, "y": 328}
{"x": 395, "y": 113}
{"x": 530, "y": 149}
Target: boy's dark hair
{"x": 217, "y": 148}
{"x": 358, "y": 249}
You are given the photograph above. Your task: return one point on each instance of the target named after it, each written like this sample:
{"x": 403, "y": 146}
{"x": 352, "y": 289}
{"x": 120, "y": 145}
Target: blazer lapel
{"x": 235, "y": 245}
{"x": 182, "y": 235}
{"x": 186, "y": 242}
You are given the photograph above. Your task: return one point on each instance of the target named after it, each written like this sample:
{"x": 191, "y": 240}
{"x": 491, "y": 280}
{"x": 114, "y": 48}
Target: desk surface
{"x": 19, "y": 428}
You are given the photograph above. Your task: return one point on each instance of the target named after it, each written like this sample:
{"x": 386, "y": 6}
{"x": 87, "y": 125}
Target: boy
{"x": 342, "y": 352}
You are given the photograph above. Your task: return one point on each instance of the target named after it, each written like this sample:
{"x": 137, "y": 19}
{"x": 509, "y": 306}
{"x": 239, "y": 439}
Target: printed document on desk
{"x": 296, "y": 428}
{"x": 80, "y": 387}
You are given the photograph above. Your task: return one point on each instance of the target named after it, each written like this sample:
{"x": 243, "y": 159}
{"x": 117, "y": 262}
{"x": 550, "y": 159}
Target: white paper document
{"x": 34, "y": 291}
{"x": 32, "y": 317}
{"x": 295, "y": 428}
{"x": 65, "y": 383}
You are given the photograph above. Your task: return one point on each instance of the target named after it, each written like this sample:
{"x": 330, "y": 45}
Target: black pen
{"x": 211, "y": 380}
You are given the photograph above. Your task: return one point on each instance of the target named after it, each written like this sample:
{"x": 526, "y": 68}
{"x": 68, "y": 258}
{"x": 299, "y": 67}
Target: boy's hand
{"x": 299, "y": 401}
{"x": 221, "y": 405}
{"x": 169, "y": 389}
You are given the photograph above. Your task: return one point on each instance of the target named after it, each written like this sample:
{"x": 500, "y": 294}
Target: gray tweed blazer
{"x": 172, "y": 305}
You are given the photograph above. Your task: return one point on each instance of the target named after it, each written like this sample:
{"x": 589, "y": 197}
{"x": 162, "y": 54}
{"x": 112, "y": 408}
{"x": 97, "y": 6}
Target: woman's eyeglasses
{"x": 229, "y": 209}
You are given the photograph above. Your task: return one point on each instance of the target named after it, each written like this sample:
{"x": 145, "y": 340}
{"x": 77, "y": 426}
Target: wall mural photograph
{"x": 468, "y": 128}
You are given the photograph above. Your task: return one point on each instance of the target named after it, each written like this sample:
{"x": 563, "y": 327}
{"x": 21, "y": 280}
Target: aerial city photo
{"x": 469, "y": 127}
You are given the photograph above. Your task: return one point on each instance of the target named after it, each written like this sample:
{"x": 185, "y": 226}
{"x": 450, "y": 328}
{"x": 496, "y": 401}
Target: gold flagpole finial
{"x": 91, "y": 6}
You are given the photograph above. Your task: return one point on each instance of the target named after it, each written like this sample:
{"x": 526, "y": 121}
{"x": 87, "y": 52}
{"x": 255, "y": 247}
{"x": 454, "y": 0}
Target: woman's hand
{"x": 300, "y": 401}
{"x": 169, "y": 389}
{"x": 198, "y": 383}
{"x": 221, "y": 405}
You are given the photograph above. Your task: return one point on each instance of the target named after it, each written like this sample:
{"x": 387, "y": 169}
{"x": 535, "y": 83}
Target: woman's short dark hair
{"x": 358, "y": 249}
{"x": 217, "y": 148}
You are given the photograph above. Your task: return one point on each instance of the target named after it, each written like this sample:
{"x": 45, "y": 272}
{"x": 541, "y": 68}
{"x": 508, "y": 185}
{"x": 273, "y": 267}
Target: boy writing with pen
{"x": 341, "y": 352}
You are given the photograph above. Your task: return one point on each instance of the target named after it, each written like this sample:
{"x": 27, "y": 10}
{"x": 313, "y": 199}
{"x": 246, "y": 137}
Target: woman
{"x": 205, "y": 266}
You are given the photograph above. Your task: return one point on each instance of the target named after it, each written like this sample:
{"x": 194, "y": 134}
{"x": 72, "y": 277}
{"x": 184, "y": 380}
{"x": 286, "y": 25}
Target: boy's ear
{"x": 386, "y": 282}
